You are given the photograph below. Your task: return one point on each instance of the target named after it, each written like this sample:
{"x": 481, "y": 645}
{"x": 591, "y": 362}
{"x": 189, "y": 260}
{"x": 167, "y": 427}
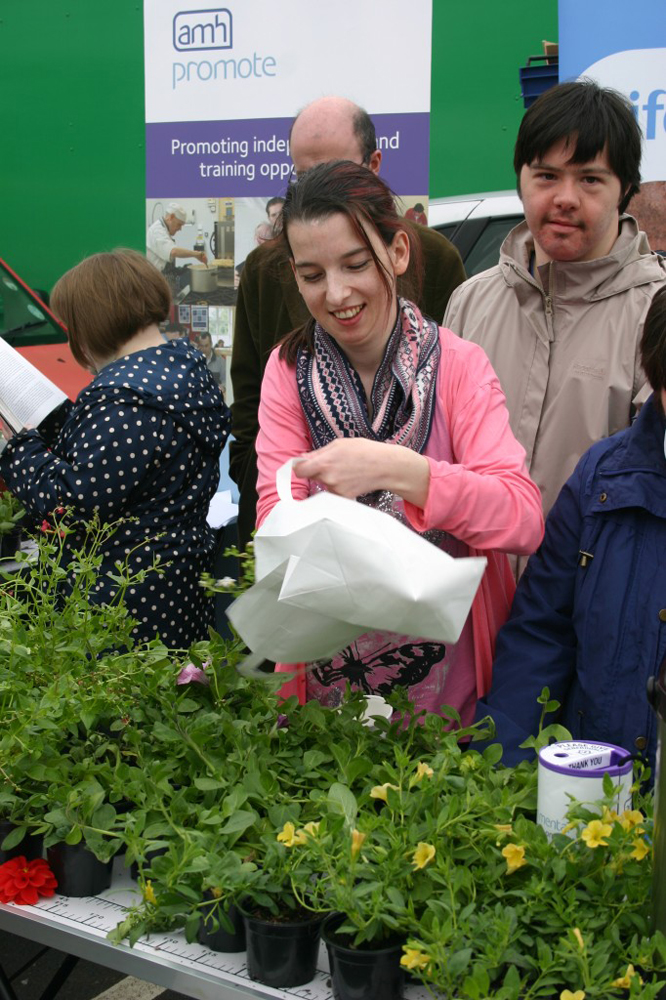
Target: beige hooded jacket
{"x": 567, "y": 360}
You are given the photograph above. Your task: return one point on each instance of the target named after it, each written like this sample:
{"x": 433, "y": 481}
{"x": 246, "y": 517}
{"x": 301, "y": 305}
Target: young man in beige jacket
{"x": 561, "y": 315}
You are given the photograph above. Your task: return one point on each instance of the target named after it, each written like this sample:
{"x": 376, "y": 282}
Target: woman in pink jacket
{"x": 385, "y": 407}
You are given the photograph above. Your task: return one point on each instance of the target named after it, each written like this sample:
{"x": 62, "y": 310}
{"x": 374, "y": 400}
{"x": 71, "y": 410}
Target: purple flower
{"x": 191, "y": 674}
{"x": 282, "y": 721}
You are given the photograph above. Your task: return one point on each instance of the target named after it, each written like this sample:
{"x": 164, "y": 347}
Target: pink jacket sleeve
{"x": 283, "y": 433}
{"x": 485, "y": 497}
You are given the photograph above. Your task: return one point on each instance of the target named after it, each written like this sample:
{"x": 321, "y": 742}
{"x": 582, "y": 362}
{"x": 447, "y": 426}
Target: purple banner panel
{"x": 250, "y": 158}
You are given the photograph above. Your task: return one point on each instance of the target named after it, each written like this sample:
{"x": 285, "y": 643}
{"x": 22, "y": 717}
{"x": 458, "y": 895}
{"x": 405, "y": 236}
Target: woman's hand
{"x": 351, "y": 467}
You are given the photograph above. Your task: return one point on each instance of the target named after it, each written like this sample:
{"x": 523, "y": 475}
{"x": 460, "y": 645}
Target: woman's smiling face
{"x": 341, "y": 284}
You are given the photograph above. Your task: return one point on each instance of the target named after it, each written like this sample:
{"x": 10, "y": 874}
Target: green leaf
{"x": 104, "y": 817}
{"x": 208, "y": 784}
{"x": 192, "y": 922}
{"x": 188, "y": 705}
{"x": 74, "y": 836}
{"x": 239, "y": 822}
{"x": 396, "y": 897}
{"x": 313, "y": 758}
{"x": 493, "y": 753}
{"x": 341, "y": 799}
{"x": 88, "y": 719}
{"x": 458, "y": 961}
{"x": 358, "y": 768}
{"x": 13, "y": 838}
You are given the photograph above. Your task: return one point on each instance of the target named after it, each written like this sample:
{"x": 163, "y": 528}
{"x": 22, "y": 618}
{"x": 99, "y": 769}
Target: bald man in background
{"x": 269, "y": 304}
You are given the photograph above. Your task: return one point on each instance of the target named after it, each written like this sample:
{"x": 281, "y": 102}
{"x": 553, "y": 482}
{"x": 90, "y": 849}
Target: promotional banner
{"x": 624, "y": 48}
{"x": 223, "y": 85}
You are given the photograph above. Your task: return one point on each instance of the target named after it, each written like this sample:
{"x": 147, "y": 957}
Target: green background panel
{"x": 72, "y": 162}
{"x": 476, "y": 106}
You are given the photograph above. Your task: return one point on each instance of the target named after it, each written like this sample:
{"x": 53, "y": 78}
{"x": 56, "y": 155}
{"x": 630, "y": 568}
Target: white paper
{"x": 26, "y": 396}
{"x": 221, "y": 510}
{"x": 329, "y": 569}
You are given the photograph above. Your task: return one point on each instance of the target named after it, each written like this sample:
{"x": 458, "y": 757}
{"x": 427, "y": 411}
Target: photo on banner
{"x": 222, "y": 88}
{"x": 598, "y": 40}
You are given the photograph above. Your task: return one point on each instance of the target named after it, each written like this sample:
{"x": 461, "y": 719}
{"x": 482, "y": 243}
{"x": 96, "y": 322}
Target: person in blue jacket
{"x": 140, "y": 446}
{"x": 589, "y": 617}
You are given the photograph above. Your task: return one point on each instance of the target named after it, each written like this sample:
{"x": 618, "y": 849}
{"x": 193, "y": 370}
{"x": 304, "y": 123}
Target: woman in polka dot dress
{"x": 143, "y": 440}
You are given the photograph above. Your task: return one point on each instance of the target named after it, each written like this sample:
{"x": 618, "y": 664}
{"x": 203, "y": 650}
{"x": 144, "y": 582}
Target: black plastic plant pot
{"x": 362, "y": 973}
{"x": 31, "y": 847}
{"x": 221, "y": 939}
{"x": 282, "y": 954}
{"x": 77, "y": 870}
{"x": 10, "y": 543}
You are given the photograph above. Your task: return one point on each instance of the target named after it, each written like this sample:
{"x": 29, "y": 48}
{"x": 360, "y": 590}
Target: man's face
{"x": 313, "y": 143}
{"x": 274, "y": 213}
{"x": 173, "y": 224}
{"x": 571, "y": 208}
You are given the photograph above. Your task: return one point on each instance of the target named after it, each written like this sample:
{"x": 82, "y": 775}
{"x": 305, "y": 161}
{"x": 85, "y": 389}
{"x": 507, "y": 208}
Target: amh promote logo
{"x": 203, "y": 30}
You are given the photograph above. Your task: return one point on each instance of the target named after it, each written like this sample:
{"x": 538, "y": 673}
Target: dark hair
{"x": 106, "y": 299}
{"x": 274, "y": 201}
{"x": 594, "y": 119}
{"x": 345, "y": 188}
{"x": 653, "y": 346}
{"x": 364, "y": 130}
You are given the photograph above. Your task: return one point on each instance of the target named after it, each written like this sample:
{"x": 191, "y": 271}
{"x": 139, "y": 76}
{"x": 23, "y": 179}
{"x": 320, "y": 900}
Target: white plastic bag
{"x": 329, "y": 569}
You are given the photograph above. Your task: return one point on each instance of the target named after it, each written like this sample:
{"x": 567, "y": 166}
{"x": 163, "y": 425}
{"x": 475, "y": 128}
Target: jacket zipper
{"x": 548, "y": 303}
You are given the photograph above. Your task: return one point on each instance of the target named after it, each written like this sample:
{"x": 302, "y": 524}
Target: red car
{"x": 28, "y": 324}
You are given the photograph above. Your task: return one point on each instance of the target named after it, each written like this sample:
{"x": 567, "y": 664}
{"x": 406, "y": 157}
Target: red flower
{"x": 24, "y": 881}
{"x": 45, "y": 526}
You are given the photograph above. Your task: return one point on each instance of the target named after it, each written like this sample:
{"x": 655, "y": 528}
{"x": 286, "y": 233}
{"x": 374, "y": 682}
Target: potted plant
{"x": 281, "y": 928}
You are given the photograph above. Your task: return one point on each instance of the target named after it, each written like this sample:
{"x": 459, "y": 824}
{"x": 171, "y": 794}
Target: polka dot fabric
{"x": 143, "y": 440}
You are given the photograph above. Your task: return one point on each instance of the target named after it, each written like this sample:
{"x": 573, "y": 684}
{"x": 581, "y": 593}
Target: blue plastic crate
{"x": 540, "y": 74}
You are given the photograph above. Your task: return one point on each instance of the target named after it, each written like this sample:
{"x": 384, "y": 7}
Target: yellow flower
{"x": 310, "y": 829}
{"x": 503, "y": 827}
{"x": 288, "y": 836}
{"x": 609, "y": 815}
{"x": 414, "y": 958}
{"x": 624, "y": 982}
{"x": 149, "y": 893}
{"x": 579, "y": 938}
{"x": 381, "y": 791}
{"x": 594, "y": 833}
{"x": 568, "y": 995}
{"x": 423, "y": 771}
{"x": 631, "y": 818}
{"x": 640, "y": 850}
{"x": 357, "y": 842}
{"x": 423, "y": 854}
{"x": 515, "y": 857}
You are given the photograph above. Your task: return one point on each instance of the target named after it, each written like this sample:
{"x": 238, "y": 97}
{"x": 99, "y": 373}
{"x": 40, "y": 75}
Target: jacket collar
{"x": 633, "y": 473}
{"x": 630, "y": 263}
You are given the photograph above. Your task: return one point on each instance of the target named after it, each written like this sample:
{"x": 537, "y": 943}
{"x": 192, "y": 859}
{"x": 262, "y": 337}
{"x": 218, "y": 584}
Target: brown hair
{"x": 345, "y": 188}
{"x": 653, "y": 346}
{"x": 106, "y": 299}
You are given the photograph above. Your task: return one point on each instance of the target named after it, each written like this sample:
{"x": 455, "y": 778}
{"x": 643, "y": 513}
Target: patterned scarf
{"x": 403, "y": 393}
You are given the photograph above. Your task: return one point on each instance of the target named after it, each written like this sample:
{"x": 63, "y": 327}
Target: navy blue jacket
{"x": 142, "y": 441}
{"x": 592, "y": 627}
